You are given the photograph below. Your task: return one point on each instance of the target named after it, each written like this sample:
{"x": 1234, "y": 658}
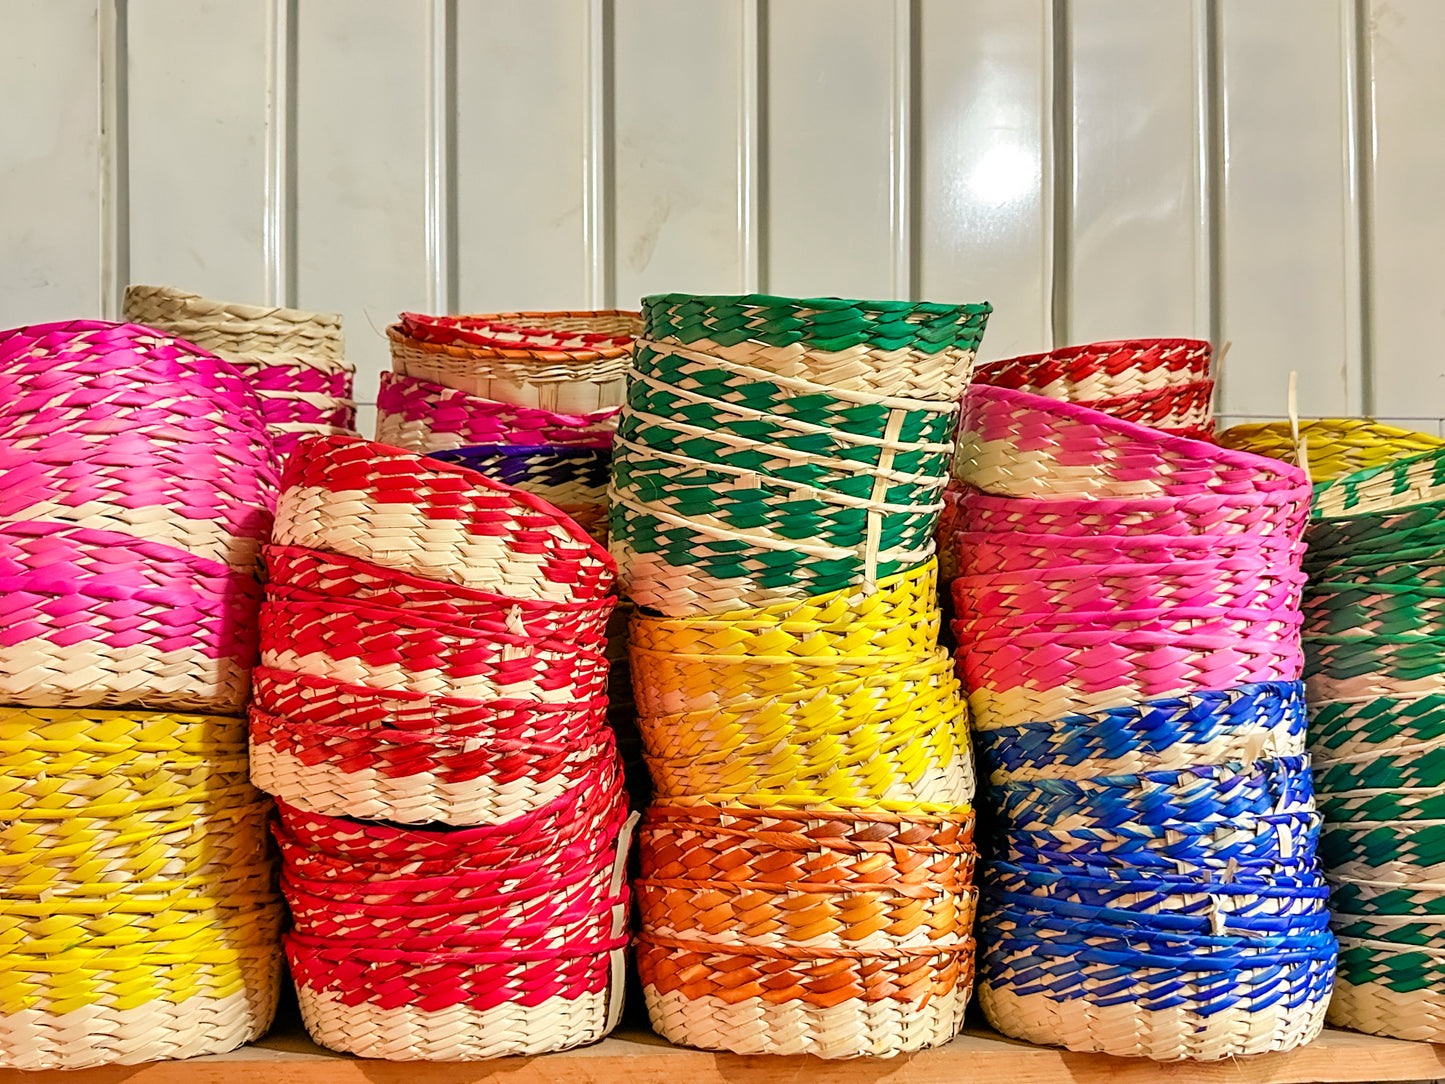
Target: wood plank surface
{"x": 977, "y": 1057}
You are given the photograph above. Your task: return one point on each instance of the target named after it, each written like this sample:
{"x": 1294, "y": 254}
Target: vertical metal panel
{"x": 441, "y": 142}
{"x": 520, "y": 143}
{"x": 1408, "y": 212}
{"x": 50, "y": 210}
{"x": 1285, "y": 228}
{"x": 830, "y": 124}
{"x": 749, "y": 151}
{"x": 197, "y": 122}
{"x": 1137, "y": 183}
{"x": 901, "y": 150}
{"x": 985, "y": 217}
{"x": 362, "y": 169}
{"x": 113, "y": 22}
{"x": 678, "y": 134}
{"x": 278, "y": 229}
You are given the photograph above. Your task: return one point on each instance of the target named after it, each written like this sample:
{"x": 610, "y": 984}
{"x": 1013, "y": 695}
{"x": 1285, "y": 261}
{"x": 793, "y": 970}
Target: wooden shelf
{"x": 636, "y": 1057}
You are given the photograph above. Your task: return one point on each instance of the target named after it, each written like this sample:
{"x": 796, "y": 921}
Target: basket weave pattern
{"x": 807, "y": 867}
{"x": 294, "y": 360}
{"x": 432, "y": 714}
{"x": 1332, "y": 447}
{"x": 1128, "y": 613}
{"x": 1373, "y": 625}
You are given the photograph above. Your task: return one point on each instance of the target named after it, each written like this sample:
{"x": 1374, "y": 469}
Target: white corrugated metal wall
{"x": 1266, "y": 173}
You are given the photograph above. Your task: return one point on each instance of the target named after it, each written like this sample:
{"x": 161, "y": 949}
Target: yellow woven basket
{"x": 1333, "y": 446}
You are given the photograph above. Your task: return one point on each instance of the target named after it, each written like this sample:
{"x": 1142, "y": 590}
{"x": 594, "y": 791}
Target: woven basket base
{"x": 1160, "y": 1034}
{"x": 1373, "y": 1007}
{"x": 99, "y": 1035}
{"x": 372, "y": 794}
{"x": 850, "y": 1029}
{"x": 457, "y": 1033}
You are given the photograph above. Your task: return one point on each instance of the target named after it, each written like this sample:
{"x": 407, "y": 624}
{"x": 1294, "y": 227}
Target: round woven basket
{"x": 1333, "y": 446}
{"x": 239, "y": 329}
{"x": 568, "y": 362}
{"x": 1386, "y": 989}
{"x": 561, "y": 475}
{"x": 1187, "y": 996}
{"x": 1104, "y": 370}
{"x": 894, "y": 348}
{"x": 1396, "y": 485}
{"x": 439, "y": 521}
{"x": 424, "y": 417}
{"x": 1015, "y": 444}
{"x": 118, "y": 427}
{"x": 96, "y": 617}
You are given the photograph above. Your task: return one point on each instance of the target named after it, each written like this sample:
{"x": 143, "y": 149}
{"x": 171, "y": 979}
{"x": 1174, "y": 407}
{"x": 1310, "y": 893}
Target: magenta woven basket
{"x": 307, "y": 700}
{"x": 350, "y": 578}
{"x": 425, "y": 417}
{"x": 90, "y": 617}
{"x": 1015, "y": 444}
{"x": 984, "y": 553}
{"x": 1036, "y": 676}
{"x": 437, "y": 520}
{"x": 419, "y": 777}
{"x": 1237, "y": 583}
{"x": 1282, "y": 514}
{"x": 1279, "y": 627}
{"x": 366, "y": 645}
{"x": 115, "y": 427}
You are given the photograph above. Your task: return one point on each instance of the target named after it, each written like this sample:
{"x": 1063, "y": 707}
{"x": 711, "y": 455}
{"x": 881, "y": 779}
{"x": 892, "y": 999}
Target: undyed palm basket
{"x": 295, "y": 360}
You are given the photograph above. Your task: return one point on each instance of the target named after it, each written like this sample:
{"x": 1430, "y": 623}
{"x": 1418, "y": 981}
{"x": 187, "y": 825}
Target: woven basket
{"x": 1397, "y": 485}
{"x": 1386, "y": 989}
{"x": 915, "y": 634}
{"x": 424, "y": 417}
{"x": 1241, "y": 724}
{"x": 569, "y": 362}
{"x": 443, "y": 522}
{"x": 919, "y": 350}
{"x": 349, "y": 578}
{"x": 1333, "y": 446}
{"x": 422, "y": 655}
{"x": 305, "y": 700}
{"x": 96, "y": 617}
{"x": 986, "y": 554}
{"x": 1186, "y": 996}
{"x": 1389, "y": 531}
{"x": 1261, "y": 514}
{"x": 1183, "y": 410}
{"x": 1103, "y": 371}
{"x": 117, "y": 427}
{"x": 1375, "y": 724}
{"x": 240, "y": 329}
{"x": 845, "y": 966}
{"x": 1015, "y": 444}
{"x": 563, "y": 476}
{"x": 417, "y": 777}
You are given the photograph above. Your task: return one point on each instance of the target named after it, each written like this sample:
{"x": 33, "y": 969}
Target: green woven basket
{"x": 1346, "y": 609}
{"x": 1422, "y": 766}
{"x": 1401, "y": 657}
{"x": 1422, "y": 847}
{"x": 1346, "y": 727}
{"x": 1351, "y": 897}
{"x": 1368, "y": 806}
{"x": 1414, "y": 480}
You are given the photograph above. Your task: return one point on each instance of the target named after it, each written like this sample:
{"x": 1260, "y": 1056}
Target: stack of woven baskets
{"x": 431, "y": 713}
{"x": 137, "y": 901}
{"x": 807, "y": 867}
{"x": 294, "y": 360}
{"x": 1129, "y": 633}
{"x": 1375, "y": 651}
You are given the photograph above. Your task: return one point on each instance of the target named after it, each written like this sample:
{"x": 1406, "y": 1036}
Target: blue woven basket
{"x": 1284, "y": 842}
{"x": 1192, "y": 798}
{"x": 1207, "y": 727}
{"x": 1302, "y": 916}
{"x": 540, "y": 468}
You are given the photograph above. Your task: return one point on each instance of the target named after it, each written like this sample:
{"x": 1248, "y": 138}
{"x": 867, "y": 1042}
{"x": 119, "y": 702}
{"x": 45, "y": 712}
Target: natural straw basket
{"x": 1333, "y": 446}
{"x": 236, "y": 329}
{"x": 568, "y": 362}
{"x": 96, "y": 617}
{"x": 416, "y": 515}
{"x": 424, "y": 417}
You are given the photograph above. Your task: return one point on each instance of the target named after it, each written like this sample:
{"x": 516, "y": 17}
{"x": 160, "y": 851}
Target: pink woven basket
{"x": 115, "y": 427}
{"x": 982, "y": 553}
{"x": 1036, "y": 676}
{"x": 307, "y": 700}
{"x": 1282, "y": 514}
{"x": 91, "y": 617}
{"x": 425, "y": 417}
{"x": 350, "y": 578}
{"x": 367, "y": 645}
{"x": 1015, "y": 444}
{"x": 419, "y": 777}
{"x": 402, "y": 511}
{"x": 1238, "y": 583}
{"x": 1280, "y": 627}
